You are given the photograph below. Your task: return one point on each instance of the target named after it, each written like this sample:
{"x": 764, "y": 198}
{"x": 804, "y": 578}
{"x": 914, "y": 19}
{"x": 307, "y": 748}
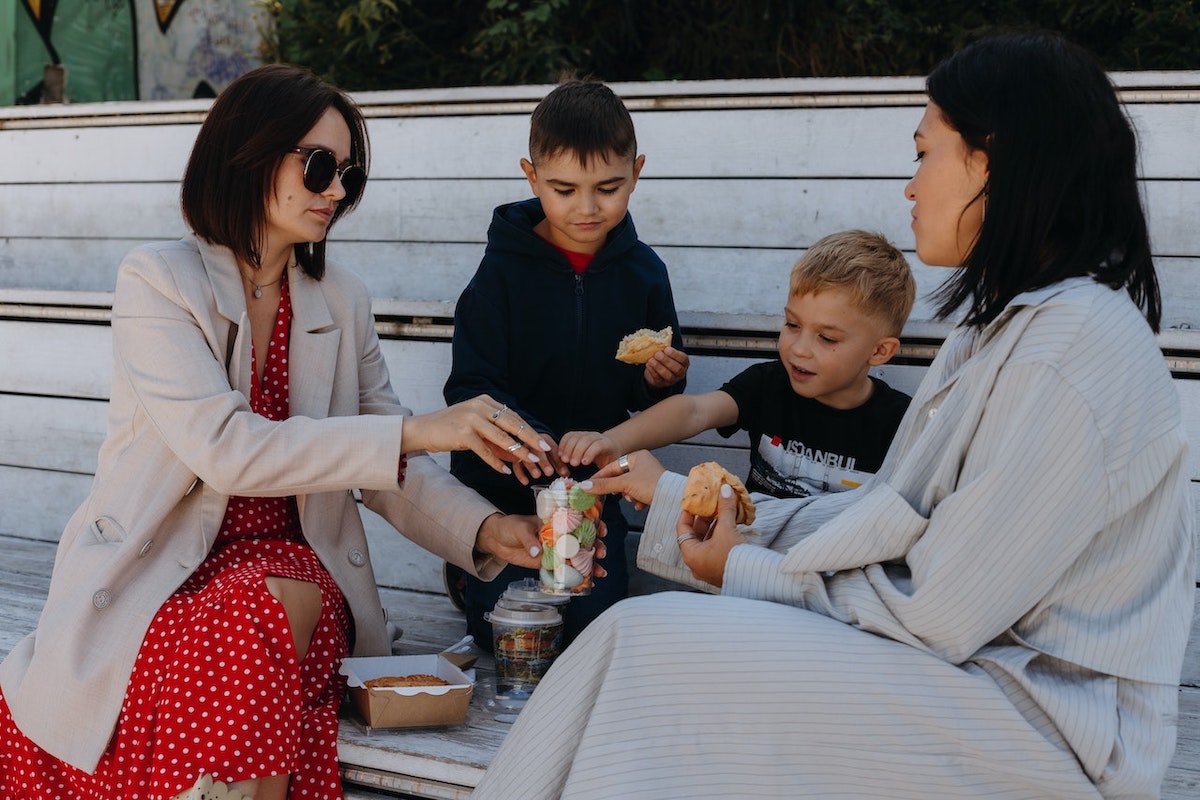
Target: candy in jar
{"x": 568, "y": 535}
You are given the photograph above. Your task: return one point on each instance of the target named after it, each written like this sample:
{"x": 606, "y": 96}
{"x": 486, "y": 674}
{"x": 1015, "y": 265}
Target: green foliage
{"x": 377, "y": 44}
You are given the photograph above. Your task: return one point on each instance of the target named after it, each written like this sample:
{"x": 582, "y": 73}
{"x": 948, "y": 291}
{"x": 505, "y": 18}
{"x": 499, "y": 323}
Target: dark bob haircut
{"x": 1062, "y": 194}
{"x": 250, "y": 128}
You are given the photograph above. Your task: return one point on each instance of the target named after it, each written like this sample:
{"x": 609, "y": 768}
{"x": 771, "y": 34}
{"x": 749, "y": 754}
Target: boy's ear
{"x": 885, "y": 348}
{"x": 530, "y": 172}
{"x": 638, "y": 163}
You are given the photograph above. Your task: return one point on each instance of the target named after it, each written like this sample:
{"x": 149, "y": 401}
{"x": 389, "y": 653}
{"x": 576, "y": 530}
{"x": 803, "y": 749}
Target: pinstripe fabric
{"x": 1001, "y": 612}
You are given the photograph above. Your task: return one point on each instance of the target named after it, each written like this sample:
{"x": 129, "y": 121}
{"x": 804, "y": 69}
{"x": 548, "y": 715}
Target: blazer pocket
{"x": 105, "y": 530}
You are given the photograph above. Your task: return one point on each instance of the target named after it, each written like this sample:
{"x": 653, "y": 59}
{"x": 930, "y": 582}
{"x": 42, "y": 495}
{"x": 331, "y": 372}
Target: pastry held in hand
{"x": 703, "y": 487}
{"x": 641, "y": 345}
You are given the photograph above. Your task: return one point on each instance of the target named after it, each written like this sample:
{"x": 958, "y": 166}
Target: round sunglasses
{"x": 320, "y": 167}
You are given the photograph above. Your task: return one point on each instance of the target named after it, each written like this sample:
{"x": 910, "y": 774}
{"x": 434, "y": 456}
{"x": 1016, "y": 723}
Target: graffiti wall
{"x": 194, "y": 48}
{"x": 125, "y": 49}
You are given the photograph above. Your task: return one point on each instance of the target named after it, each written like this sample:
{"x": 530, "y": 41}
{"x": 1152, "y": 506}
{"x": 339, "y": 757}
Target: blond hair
{"x": 873, "y": 270}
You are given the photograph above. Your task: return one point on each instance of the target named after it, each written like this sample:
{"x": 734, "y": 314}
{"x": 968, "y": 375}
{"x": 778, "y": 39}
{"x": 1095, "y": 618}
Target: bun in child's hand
{"x": 641, "y": 345}
{"x": 703, "y": 487}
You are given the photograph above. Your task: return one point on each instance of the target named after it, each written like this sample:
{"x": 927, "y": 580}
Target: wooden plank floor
{"x": 438, "y": 762}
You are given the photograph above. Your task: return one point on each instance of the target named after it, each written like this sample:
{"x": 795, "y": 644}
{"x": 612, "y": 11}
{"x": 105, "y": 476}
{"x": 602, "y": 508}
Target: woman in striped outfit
{"x": 1002, "y": 611}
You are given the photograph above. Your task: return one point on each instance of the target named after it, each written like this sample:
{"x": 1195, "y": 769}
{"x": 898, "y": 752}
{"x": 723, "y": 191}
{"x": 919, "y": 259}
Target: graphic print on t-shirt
{"x": 790, "y": 469}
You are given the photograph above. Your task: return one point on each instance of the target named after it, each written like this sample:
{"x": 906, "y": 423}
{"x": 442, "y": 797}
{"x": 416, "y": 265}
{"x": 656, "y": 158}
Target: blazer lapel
{"x": 232, "y": 326}
{"x": 312, "y": 359}
{"x": 313, "y": 348}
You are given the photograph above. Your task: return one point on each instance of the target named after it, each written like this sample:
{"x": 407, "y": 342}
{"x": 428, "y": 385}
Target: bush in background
{"x": 396, "y": 44}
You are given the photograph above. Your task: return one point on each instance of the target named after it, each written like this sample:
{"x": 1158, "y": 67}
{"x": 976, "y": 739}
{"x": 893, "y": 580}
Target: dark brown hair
{"x": 1062, "y": 188}
{"x": 581, "y": 117}
{"x": 250, "y": 128}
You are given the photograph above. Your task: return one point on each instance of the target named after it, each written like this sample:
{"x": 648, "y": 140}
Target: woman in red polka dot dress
{"x": 206, "y": 590}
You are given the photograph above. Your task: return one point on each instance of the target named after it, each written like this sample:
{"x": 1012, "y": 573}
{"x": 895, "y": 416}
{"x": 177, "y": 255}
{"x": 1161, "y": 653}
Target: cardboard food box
{"x": 408, "y": 706}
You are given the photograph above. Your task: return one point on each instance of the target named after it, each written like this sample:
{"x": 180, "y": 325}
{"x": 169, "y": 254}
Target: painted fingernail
{"x": 534, "y": 458}
{"x": 726, "y": 490}
{"x": 533, "y": 551}
{"x": 585, "y": 485}
{"x": 542, "y": 444}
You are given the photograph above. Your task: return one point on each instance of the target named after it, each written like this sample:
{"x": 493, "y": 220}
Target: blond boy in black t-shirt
{"x": 818, "y": 422}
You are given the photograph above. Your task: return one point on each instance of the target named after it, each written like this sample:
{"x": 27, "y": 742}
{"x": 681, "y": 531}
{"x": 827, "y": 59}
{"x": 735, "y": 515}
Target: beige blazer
{"x": 181, "y": 439}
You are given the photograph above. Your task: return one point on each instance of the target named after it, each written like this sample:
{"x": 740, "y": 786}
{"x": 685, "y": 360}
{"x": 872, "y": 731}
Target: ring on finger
{"x": 685, "y": 537}
{"x": 496, "y": 414}
{"x": 520, "y": 428}
{"x": 515, "y": 446}
{"x": 623, "y": 463}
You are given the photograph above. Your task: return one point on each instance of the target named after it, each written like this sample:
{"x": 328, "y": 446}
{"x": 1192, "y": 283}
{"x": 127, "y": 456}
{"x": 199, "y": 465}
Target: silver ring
{"x": 623, "y": 463}
{"x": 515, "y": 446}
{"x": 496, "y": 414}
{"x": 685, "y": 537}
{"x": 520, "y": 429}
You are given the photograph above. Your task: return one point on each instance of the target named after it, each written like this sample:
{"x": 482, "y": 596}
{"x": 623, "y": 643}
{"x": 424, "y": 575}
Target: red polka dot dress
{"x": 217, "y": 687}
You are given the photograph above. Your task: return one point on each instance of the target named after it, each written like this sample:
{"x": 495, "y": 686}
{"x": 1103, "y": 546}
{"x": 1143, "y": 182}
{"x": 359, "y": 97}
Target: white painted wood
{"x": 78, "y": 264}
{"x": 772, "y": 213}
{"x": 91, "y": 154}
{"x": 738, "y": 142}
{"x": 730, "y": 210}
{"x": 706, "y": 280}
{"x": 51, "y": 433}
{"x": 57, "y": 359}
{"x": 36, "y": 504}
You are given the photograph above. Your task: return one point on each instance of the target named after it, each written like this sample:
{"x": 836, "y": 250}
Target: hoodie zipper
{"x": 578, "y": 332}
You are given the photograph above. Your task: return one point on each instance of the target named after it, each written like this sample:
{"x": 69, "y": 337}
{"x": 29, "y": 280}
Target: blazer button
{"x": 102, "y": 598}
{"x": 933, "y": 412}
{"x": 357, "y": 557}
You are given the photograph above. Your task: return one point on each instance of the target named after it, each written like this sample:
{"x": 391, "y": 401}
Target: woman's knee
{"x": 301, "y": 601}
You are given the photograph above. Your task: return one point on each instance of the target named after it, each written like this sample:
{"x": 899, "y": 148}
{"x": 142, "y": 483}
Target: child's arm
{"x": 666, "y": 422}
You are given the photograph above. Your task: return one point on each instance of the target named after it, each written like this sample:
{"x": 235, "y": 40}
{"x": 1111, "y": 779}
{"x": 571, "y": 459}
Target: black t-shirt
{"x": 800, "y": 447}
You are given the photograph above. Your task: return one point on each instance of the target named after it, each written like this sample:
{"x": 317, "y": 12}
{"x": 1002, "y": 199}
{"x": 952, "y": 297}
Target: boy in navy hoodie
{"x": 563, "y": 279}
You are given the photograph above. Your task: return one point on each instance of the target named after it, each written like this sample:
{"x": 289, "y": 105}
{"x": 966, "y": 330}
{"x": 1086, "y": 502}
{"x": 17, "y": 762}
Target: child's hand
{"x": 587, "y": 447}
{"x": 666, "y": 368}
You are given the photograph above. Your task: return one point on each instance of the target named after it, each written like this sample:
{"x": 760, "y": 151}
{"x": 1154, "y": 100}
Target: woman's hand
{"x": 492, "y": 431}
{"x": 666, "y": 368}
{"x": 705, "y": 543}
{"x": 527, "y": 473}
{"x": 512, "y": 538}
{"x": 634, "y": 476}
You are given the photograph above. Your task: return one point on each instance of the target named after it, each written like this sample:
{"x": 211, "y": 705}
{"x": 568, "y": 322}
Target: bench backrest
{"x": 740, "y": 177}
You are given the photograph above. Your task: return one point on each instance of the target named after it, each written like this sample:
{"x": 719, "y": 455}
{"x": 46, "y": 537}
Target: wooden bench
{"x": 442, "y": 763}
{"x": 779, "y": 163}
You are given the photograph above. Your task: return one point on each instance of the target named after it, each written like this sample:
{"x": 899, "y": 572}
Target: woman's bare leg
{"x": 274, "y": 787}
{"x": 301, "y": 601}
